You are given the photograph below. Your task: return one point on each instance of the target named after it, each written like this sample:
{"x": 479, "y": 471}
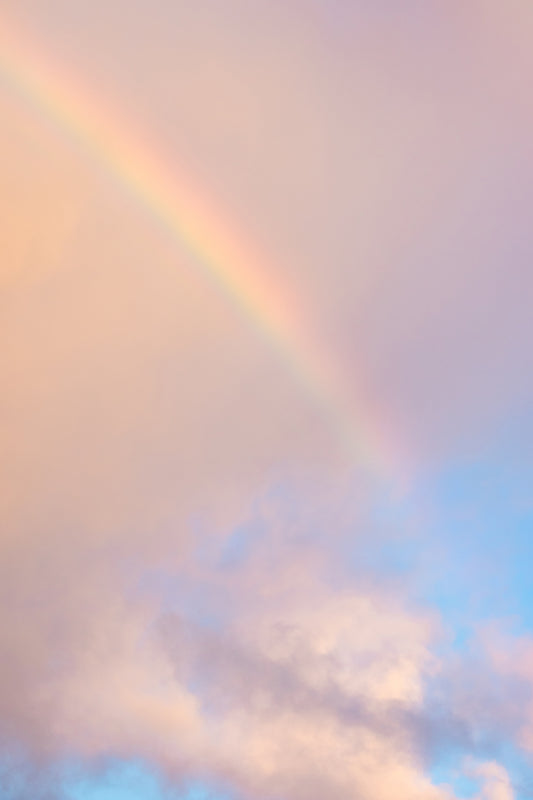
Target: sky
{"x": 266, "y": 412}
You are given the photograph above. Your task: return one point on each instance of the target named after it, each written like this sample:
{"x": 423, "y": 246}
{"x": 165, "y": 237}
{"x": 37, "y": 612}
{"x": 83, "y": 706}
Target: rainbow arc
{"x": 215, "y": 245}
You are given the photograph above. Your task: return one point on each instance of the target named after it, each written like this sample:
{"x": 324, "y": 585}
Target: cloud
{"x": 261, "y": 675}
{"x": 284, "y": 700}
{"x": 496, "y": 782}
{"x": 511, "y": 658}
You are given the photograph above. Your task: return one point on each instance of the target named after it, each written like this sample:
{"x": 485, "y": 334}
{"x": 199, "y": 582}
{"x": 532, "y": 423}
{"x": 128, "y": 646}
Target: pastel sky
{"x": 266, "y": 519}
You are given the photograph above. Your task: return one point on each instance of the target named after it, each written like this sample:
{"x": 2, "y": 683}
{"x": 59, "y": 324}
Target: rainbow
{"x": 200, "y": 229}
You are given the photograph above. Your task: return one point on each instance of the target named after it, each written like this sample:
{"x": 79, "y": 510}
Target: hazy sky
{"x": 280, "y": 548}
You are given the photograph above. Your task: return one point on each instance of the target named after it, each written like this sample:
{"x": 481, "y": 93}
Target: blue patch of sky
{"x": 463, "y": 786}
{"x": 473, "y": 565}
{"x": 130, "y": 780}
{"x": 481, "y": 529}
{"x": 462, "y": 542}
{"x": 111, "y": 779}
{"x": 453, "y": 770}
{"x": 12, "y": 779}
